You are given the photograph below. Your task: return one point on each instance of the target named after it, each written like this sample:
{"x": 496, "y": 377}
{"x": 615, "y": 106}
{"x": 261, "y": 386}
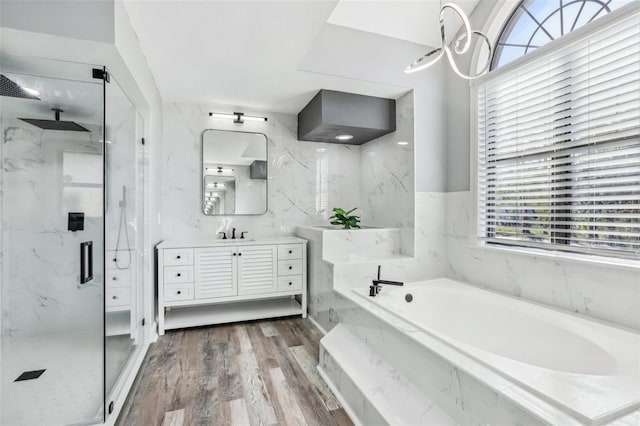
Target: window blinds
{"x": 559, "y": 147}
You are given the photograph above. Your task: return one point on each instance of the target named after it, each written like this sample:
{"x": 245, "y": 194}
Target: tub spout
{"x": 375, "y": 287}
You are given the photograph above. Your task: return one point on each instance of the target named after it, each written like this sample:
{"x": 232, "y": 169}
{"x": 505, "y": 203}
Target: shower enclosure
{"x": 71, "y": 209}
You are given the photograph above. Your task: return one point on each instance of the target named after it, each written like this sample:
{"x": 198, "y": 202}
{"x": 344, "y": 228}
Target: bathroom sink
{"x": 236, "y": 241}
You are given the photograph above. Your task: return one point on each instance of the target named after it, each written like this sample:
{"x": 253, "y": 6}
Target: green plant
{"x": 341, "y": 217}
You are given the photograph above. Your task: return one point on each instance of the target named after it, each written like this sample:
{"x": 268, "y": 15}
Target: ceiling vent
{"x": 346, "y": 118}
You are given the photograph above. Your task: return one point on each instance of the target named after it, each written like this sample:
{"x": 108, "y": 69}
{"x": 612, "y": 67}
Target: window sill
{"x": 583, "y": 259}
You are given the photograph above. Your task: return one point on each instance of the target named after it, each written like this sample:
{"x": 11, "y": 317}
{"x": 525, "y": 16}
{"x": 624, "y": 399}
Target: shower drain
{"x": 29, "y": 375}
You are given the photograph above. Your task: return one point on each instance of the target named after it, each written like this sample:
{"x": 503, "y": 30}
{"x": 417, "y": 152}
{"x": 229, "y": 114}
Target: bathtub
{"x": 586, "y": 368}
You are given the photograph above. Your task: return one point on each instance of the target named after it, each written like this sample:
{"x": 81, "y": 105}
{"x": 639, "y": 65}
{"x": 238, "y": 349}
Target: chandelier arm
{"x": 434, "y": 55}
{"x": 454, "y": 65}
{"x": 418, "y": 64}
{"x": 465, "y": 22}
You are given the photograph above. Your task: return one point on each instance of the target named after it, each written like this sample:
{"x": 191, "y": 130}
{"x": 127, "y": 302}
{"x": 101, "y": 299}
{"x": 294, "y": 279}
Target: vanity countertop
{"x": 229, "y": 242}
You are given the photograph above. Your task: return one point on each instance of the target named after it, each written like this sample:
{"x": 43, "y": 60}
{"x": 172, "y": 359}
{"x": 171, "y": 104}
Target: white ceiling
{"x": 273, "y": 55}
{"x": 413, "y": 20}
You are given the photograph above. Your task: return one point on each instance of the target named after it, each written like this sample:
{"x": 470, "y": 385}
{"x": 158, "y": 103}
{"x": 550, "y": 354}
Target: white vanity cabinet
{"x": 230, "y": 280}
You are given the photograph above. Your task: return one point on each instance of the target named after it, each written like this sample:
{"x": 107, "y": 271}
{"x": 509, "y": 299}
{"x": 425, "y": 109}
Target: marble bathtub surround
{"x": 473, "y": 393}
{"x": 466, "y": 390}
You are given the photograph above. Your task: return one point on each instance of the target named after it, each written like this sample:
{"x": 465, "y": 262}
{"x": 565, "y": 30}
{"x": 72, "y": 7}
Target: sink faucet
{"x": 233, "y": 234}
{"x": 376, "y": 285}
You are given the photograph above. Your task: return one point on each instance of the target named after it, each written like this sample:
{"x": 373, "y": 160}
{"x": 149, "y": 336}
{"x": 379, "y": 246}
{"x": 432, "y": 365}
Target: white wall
{"x": 85, "y": 20}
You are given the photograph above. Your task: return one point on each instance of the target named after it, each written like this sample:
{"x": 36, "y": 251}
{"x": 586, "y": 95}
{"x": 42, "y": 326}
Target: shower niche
{"x": 71, "y": 207}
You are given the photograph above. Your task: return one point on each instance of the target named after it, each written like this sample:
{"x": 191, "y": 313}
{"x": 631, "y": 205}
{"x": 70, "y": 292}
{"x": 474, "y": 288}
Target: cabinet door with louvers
{"x": 216, "y": 272}
{"x": 257, "y": 269}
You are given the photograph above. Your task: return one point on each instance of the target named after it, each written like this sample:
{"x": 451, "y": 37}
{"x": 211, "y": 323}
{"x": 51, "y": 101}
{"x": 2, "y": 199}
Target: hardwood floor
{"x": 253, "y": 373}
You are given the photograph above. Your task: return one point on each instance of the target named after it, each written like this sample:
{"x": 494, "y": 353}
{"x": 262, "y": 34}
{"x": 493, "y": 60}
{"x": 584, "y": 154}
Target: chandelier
{"x": 461, "y": 45}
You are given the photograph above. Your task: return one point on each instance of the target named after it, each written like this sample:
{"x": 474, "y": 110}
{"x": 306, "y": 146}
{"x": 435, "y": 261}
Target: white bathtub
{"x": 586, "y": 368}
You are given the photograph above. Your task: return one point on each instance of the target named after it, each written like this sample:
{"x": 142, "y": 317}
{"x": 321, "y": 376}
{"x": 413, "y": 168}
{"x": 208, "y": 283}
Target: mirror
{"x": 234, "y": 173}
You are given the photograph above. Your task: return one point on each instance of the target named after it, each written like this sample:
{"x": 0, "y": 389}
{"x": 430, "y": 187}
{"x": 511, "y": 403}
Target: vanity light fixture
{"x": 344, "y": 137}
{"x": 459, "y": 48}
{"x": 237, "y": 117}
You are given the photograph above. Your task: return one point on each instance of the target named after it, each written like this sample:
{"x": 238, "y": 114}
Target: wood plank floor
{"x": 252, "y": 373}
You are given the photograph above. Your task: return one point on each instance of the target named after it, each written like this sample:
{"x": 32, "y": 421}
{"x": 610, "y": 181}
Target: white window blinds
{"x": 559, "y": 147}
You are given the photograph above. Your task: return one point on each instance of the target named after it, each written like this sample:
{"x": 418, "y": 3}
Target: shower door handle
{"x": 86, "y": 262}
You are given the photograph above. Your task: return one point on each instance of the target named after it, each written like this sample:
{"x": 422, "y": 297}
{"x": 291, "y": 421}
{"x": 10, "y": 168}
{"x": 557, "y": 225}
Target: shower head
{"x": 14, "y": 90}
{"x": 55, "y": 124}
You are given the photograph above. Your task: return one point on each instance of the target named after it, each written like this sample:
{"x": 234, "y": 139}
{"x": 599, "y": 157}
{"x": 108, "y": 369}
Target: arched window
{"x": 535, "y": 23}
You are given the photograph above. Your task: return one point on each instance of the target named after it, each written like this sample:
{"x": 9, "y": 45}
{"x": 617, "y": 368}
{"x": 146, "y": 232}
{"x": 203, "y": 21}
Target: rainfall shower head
{"x": 55, "y": 124}
{"x": 14, "y": 90}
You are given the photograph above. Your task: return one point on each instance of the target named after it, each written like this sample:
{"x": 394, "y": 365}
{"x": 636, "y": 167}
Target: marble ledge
{"x": 355, "y": 258}
{"x": 584, "y": 259}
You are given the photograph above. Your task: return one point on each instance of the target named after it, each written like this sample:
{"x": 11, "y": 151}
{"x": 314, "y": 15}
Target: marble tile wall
{"x": 387, "y": 177}
{"x": 306, "y": 179}
{"x": 41, "y": 290}
{"x": 604, "y": 292}
{"x": 467, "y": 397}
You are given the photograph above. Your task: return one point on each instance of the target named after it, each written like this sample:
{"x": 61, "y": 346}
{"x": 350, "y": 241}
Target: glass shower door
{"x": 123, "y": 235}
{"x": 51, "y": 288}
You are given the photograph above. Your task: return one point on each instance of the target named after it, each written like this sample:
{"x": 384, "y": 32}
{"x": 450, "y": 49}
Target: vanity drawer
{"x": 118, "y": 277}
{"x": 290, "y": 267}
{"x": 178, "y": 257}
{"x": 178, "y": 274}
{"x": 290, "y": 251}
{"x": 119, "y": 296}
{"x": 178, "y": 292}
{"x": 293, "y": 282}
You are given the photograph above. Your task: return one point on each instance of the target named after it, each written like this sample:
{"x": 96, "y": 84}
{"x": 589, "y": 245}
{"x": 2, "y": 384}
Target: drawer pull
{"x": 178, "y": 257}
{"x": 239, "y": 254}
{"x": 290, "y": 283}
{"x": 114, "y": 279}
{"x": 290, "y": 267}
{"x": 234, "y": 254}
{"x": 178, "y": 274}
{"x": 114, "y": 297}
{"x": 290, "y": 251}
{"x": 179, "y": 292}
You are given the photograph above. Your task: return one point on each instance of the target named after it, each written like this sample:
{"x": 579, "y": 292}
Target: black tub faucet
{"x": 376, "y": 285}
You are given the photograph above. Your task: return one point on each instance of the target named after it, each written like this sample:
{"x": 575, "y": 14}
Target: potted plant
{"x": 341, "y": 217}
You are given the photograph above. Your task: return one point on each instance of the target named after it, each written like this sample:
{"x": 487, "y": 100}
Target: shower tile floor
{"x": 69, "y": 391}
